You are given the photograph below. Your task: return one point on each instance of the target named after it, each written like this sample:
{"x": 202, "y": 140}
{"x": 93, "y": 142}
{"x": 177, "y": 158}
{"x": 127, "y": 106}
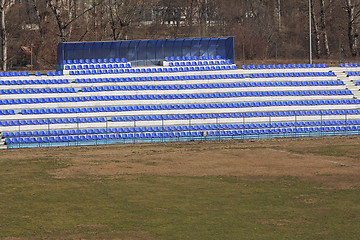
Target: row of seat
{"x": 175, "y": 96}
{"x": 193, "y": 58}
{"x": 121, "y": 79}
{"x": 97, "y": 66}
{"x": 13, "y": 74}
{"x": 159, "y": 78}
{"x": 207, "y": 127}
{"x": 284, "y": 131}
{"x": 233, "y": 115}
{"x": 52, "y": 121}
{"x": 209, "y": 86}
{"x": 37, "y": 90}
{"x": 160, "y": 135}
{"x": 353, "y": 73}
{"x": 181, "y": 106}
{"x": 34, "y": 81}
{"x": 200, "y": 63}
{"x": 178, "y": 117}
{"x": 346, "y": 65}
{"x": 94, "y": 61}
{"x": 7, "y": 112}
{"x": 152, "y": 70}
{"x": 298, "y": 74}
{"x": 54, "y": 73}
{"x": 101, "y": 137}
{"x": 170, "y": 87}
{"x": 168, "y": 78}
{"x": 283, "y": 66}
{"x": 128, "y": 65}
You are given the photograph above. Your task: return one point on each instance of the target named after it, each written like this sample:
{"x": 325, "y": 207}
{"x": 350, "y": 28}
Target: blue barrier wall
{"x": 146, "y": 52}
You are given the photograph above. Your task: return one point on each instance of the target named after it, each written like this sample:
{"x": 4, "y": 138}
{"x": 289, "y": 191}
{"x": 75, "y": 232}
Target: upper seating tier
{"x": 94, "y": 61}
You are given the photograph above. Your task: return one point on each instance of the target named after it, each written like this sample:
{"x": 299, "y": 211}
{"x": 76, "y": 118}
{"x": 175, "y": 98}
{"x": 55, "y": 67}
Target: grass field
{"x": 273, "y": 189}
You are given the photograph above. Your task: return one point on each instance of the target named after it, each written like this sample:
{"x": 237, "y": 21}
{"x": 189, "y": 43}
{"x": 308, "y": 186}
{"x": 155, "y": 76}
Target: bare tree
{"x": 44, "y": 23}
{"x": 352, "y": 17}
{"x": 172, "y": 12}
{"x": 39, "y": 10}
{"x": 316, "y": 30}
{"x": 323, "y": 28}
{"x": 66, "y": 12}
{"x": 5, "y": 5}
{"x": 278, "y": 9}
{"x": 124, "y": 14}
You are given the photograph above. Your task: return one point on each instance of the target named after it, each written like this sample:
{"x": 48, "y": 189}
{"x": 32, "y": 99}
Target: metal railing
{"x": 211, "y": 130}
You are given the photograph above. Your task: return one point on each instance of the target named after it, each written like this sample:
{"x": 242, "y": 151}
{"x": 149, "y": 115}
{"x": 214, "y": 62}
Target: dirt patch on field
{"x": 121, "y": 235}
{"x": 265, "y": 158}
{"x": 283, "y": 222}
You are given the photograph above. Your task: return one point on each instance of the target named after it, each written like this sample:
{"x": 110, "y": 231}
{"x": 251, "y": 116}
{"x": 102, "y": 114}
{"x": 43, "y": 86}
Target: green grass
{"x": 33, "y": 204}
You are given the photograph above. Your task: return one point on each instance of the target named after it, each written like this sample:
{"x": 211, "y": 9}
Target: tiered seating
{"x": 94, "y": 66}
{"x": 155, "y": 104}
{"x": 93, "y": 61}
{"x": 105, "y": 60}
{"x": 153, "y": 70}
{"x": 283, "y": 66}
{"x": 202, "y": 63}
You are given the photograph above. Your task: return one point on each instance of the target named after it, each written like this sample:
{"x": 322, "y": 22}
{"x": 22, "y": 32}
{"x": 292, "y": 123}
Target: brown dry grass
{"x": 121, "y": 235}
{"x": 263, "y": 159}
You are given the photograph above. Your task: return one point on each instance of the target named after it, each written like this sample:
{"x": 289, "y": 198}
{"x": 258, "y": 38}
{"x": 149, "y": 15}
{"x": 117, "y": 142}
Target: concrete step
{"x": 342, "y": 76}
{"x": 3, "y": 147}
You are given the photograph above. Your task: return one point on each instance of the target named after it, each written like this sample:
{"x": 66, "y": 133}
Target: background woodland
{"x": 264, "y": 29}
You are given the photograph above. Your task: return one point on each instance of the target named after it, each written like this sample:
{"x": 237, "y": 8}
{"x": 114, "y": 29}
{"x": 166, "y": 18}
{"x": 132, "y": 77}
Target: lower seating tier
{"x": 183, "y": 128}
{"x": 146, "y": 104}
{"x": 203, "y": 135}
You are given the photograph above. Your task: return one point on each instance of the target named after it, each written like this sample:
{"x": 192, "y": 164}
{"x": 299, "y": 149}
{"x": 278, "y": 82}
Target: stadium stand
{"x": 152, "y": 104}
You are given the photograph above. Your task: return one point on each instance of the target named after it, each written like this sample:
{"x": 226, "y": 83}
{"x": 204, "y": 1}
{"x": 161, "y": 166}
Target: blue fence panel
{"x": 186, "y": 47}
{"x": 146, "y": 52}
{"x": 169, "y": 47}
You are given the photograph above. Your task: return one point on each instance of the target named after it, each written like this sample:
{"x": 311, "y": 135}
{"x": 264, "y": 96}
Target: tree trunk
{"x": 4, "y": 39}
{"x": 70, "y": 11}
{"x": 323, "y": 28}
{"x": 39, "y": 19}
{"x": 352, "y": 31}
{"x": 279, "y": 15}
{"x": 55, "y": 9}
{"x": 316, "y": 31}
